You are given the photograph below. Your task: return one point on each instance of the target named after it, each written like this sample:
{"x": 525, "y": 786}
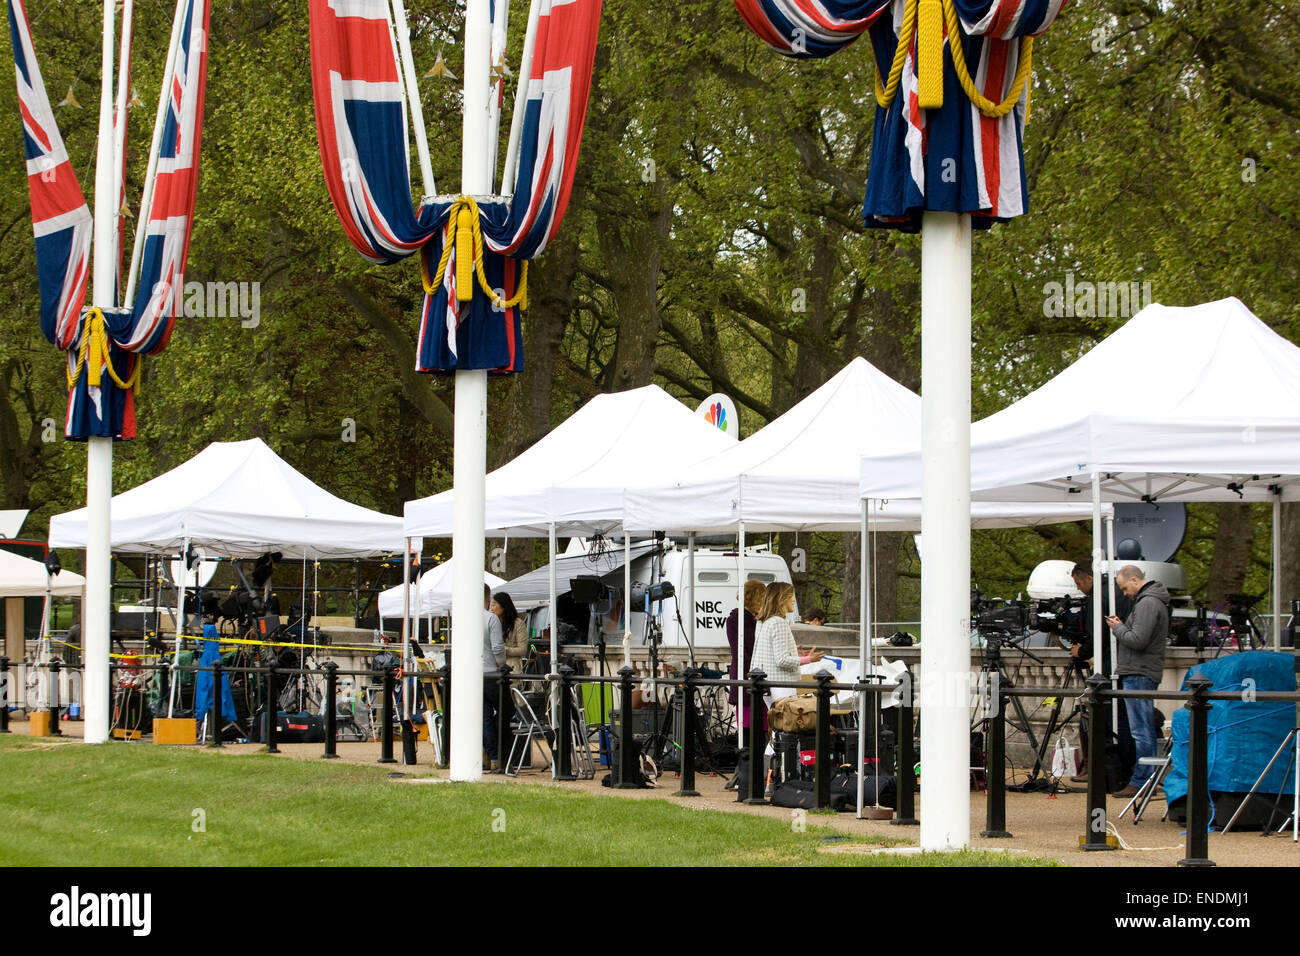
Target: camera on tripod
{"x": 1061, "y": 615}
{"x": 997, "y": 618}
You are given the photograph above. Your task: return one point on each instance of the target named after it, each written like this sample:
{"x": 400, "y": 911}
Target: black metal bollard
{"x": 386, "y": 738}
{"x": 757, "y": 737}
{"x": 444, "y": 686}
{"x": 331, "y": 711}
{"x": 4, "y": 695}
{"x": 627, "y": 768}
{"x": 54, "y": 667}
{"x": 505, "y": 707}
{"x": 995, "y": 779}
{"x": 1198, "y": 792}
{"x": 272, "y": 710}
{"x": 822, "y": 747}
{"x": 408, "y": 723}
{"x": 687, "y": 788}
{"x": 214, "y": 711}
{"x": 904, "y": 777}
{"x": 564, "y": 746}
{"x": 1098, "y": 734}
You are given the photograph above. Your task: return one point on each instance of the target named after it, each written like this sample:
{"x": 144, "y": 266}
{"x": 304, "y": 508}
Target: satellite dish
{"x": 198, "y": 576}
{"x": 720, "y": 412}
{"x": 1156, "y": 530}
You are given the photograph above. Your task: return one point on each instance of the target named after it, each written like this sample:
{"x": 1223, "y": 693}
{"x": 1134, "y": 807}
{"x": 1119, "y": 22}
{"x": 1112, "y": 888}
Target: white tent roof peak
{"x": 237, "y": 499}
{"x": 1176, "y": 404}
{"x": 800, "y": 472}
{"x": 575, "y": 475}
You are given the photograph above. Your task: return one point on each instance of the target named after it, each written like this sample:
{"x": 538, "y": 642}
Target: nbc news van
{"x": 591, "y": 604}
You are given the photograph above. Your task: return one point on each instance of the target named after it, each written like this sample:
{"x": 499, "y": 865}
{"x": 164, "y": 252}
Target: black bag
{"x": 795, "y": 794}
{"x": 613, "y": 778}
{"x": 844, "y": 791}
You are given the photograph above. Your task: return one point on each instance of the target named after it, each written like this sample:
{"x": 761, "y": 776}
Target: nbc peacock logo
{"x": 717, "y": 416}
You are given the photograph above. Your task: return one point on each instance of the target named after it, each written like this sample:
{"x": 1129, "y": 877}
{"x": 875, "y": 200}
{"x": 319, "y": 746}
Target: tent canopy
{"x": 237, "y": 500}
{"x": 575, "y": 475}
{"x": 1179, "y": 404}
{"x": 800, "y": 472}
{"x": 23, "y": 577}
{"x": 431, "y": 595}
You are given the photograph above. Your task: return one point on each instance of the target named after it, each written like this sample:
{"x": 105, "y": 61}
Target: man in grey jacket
{"x": 1141, "y": 639}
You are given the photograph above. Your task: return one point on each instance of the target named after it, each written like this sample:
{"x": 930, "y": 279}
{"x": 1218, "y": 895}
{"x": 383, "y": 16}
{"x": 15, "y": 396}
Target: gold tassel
{"x": 464, "y": 255}
{"x": 929, "y": 54}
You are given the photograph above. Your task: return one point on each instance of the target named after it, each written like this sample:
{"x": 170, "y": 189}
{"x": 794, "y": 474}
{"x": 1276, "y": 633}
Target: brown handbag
{"x": 793, "y": 714}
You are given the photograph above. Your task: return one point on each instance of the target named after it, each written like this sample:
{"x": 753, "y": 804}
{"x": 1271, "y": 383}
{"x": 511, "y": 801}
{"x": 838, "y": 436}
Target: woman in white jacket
{"x": 775, "y": 652}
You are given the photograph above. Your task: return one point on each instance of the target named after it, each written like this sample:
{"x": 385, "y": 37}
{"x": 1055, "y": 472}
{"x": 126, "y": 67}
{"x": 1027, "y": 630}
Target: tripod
{"x": 993, "y": 664}
{"x": 1293, "y": 765}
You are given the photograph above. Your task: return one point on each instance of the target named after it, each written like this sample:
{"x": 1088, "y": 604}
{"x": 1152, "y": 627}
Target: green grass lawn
{"x": 139, "y": 805}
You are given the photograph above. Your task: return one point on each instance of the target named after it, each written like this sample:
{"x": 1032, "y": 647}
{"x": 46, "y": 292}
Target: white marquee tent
{"x": 431, "y": 595}
{"x": 24, "y": 577}
{"x": 800, "y": 472}
{"x": 574, "y": 477}
{"x": 1180, "y": 404}
{"x": 237, "y": 500}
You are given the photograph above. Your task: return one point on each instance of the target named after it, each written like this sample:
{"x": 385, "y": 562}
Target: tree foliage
{"x": 714, "y": 243}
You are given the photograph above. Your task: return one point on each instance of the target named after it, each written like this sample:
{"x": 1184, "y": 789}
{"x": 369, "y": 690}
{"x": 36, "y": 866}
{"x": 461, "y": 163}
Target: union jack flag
{"x": 60, "y": 218}
{"x": 63, "y": 226}
{"x": 951, "y": 159}
{"x": 361, "y": 125}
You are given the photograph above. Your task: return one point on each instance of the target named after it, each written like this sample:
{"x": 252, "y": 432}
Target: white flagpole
{"x": 99, "y": 451}
{"x": 945, "y": 524}
{"x": 521, "y": 100}
{"x": 413, "y": 97}
{"x": 119, "y": 127}
{"x": 150, "y": 175}
{"x": 470, "y": 455}
{"x": 498, "y": 57}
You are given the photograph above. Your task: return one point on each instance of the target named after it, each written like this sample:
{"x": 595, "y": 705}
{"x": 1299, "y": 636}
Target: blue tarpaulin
{"x": 1243, "y": 735}
{"x": 203, "y": 683}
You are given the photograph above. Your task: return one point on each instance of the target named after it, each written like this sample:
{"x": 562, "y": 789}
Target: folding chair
{"x": 585, "y": 765}
{"x": 1162, "y": 765}
{"x": 526, "y": 728}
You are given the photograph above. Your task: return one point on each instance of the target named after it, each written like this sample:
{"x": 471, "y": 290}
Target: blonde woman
{"x": 775, "y": 652}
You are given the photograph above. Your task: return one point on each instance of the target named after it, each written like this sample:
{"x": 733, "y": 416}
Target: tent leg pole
{"x": 1277, "y": 568}
{"x": 553, "y": 590}
{"x": 1096, "y": 570}
{"x": 1110, "y": 597}
{"x": 690, "y": 573}
{"x": 864, "y": 643}
{"x": 945, "y": 524}
{"x": 740, "y": 640}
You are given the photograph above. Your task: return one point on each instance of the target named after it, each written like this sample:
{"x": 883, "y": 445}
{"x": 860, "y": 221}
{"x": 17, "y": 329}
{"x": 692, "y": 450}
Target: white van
{"x": 717, "y": 593}
{"x": 600, "y": 612}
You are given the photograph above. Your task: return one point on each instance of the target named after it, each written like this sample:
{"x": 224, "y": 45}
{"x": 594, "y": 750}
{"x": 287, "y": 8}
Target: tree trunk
{"x": 1233, "y": 538}
{"x": 632, "y": 247}
{"x": 884, "y": 578}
